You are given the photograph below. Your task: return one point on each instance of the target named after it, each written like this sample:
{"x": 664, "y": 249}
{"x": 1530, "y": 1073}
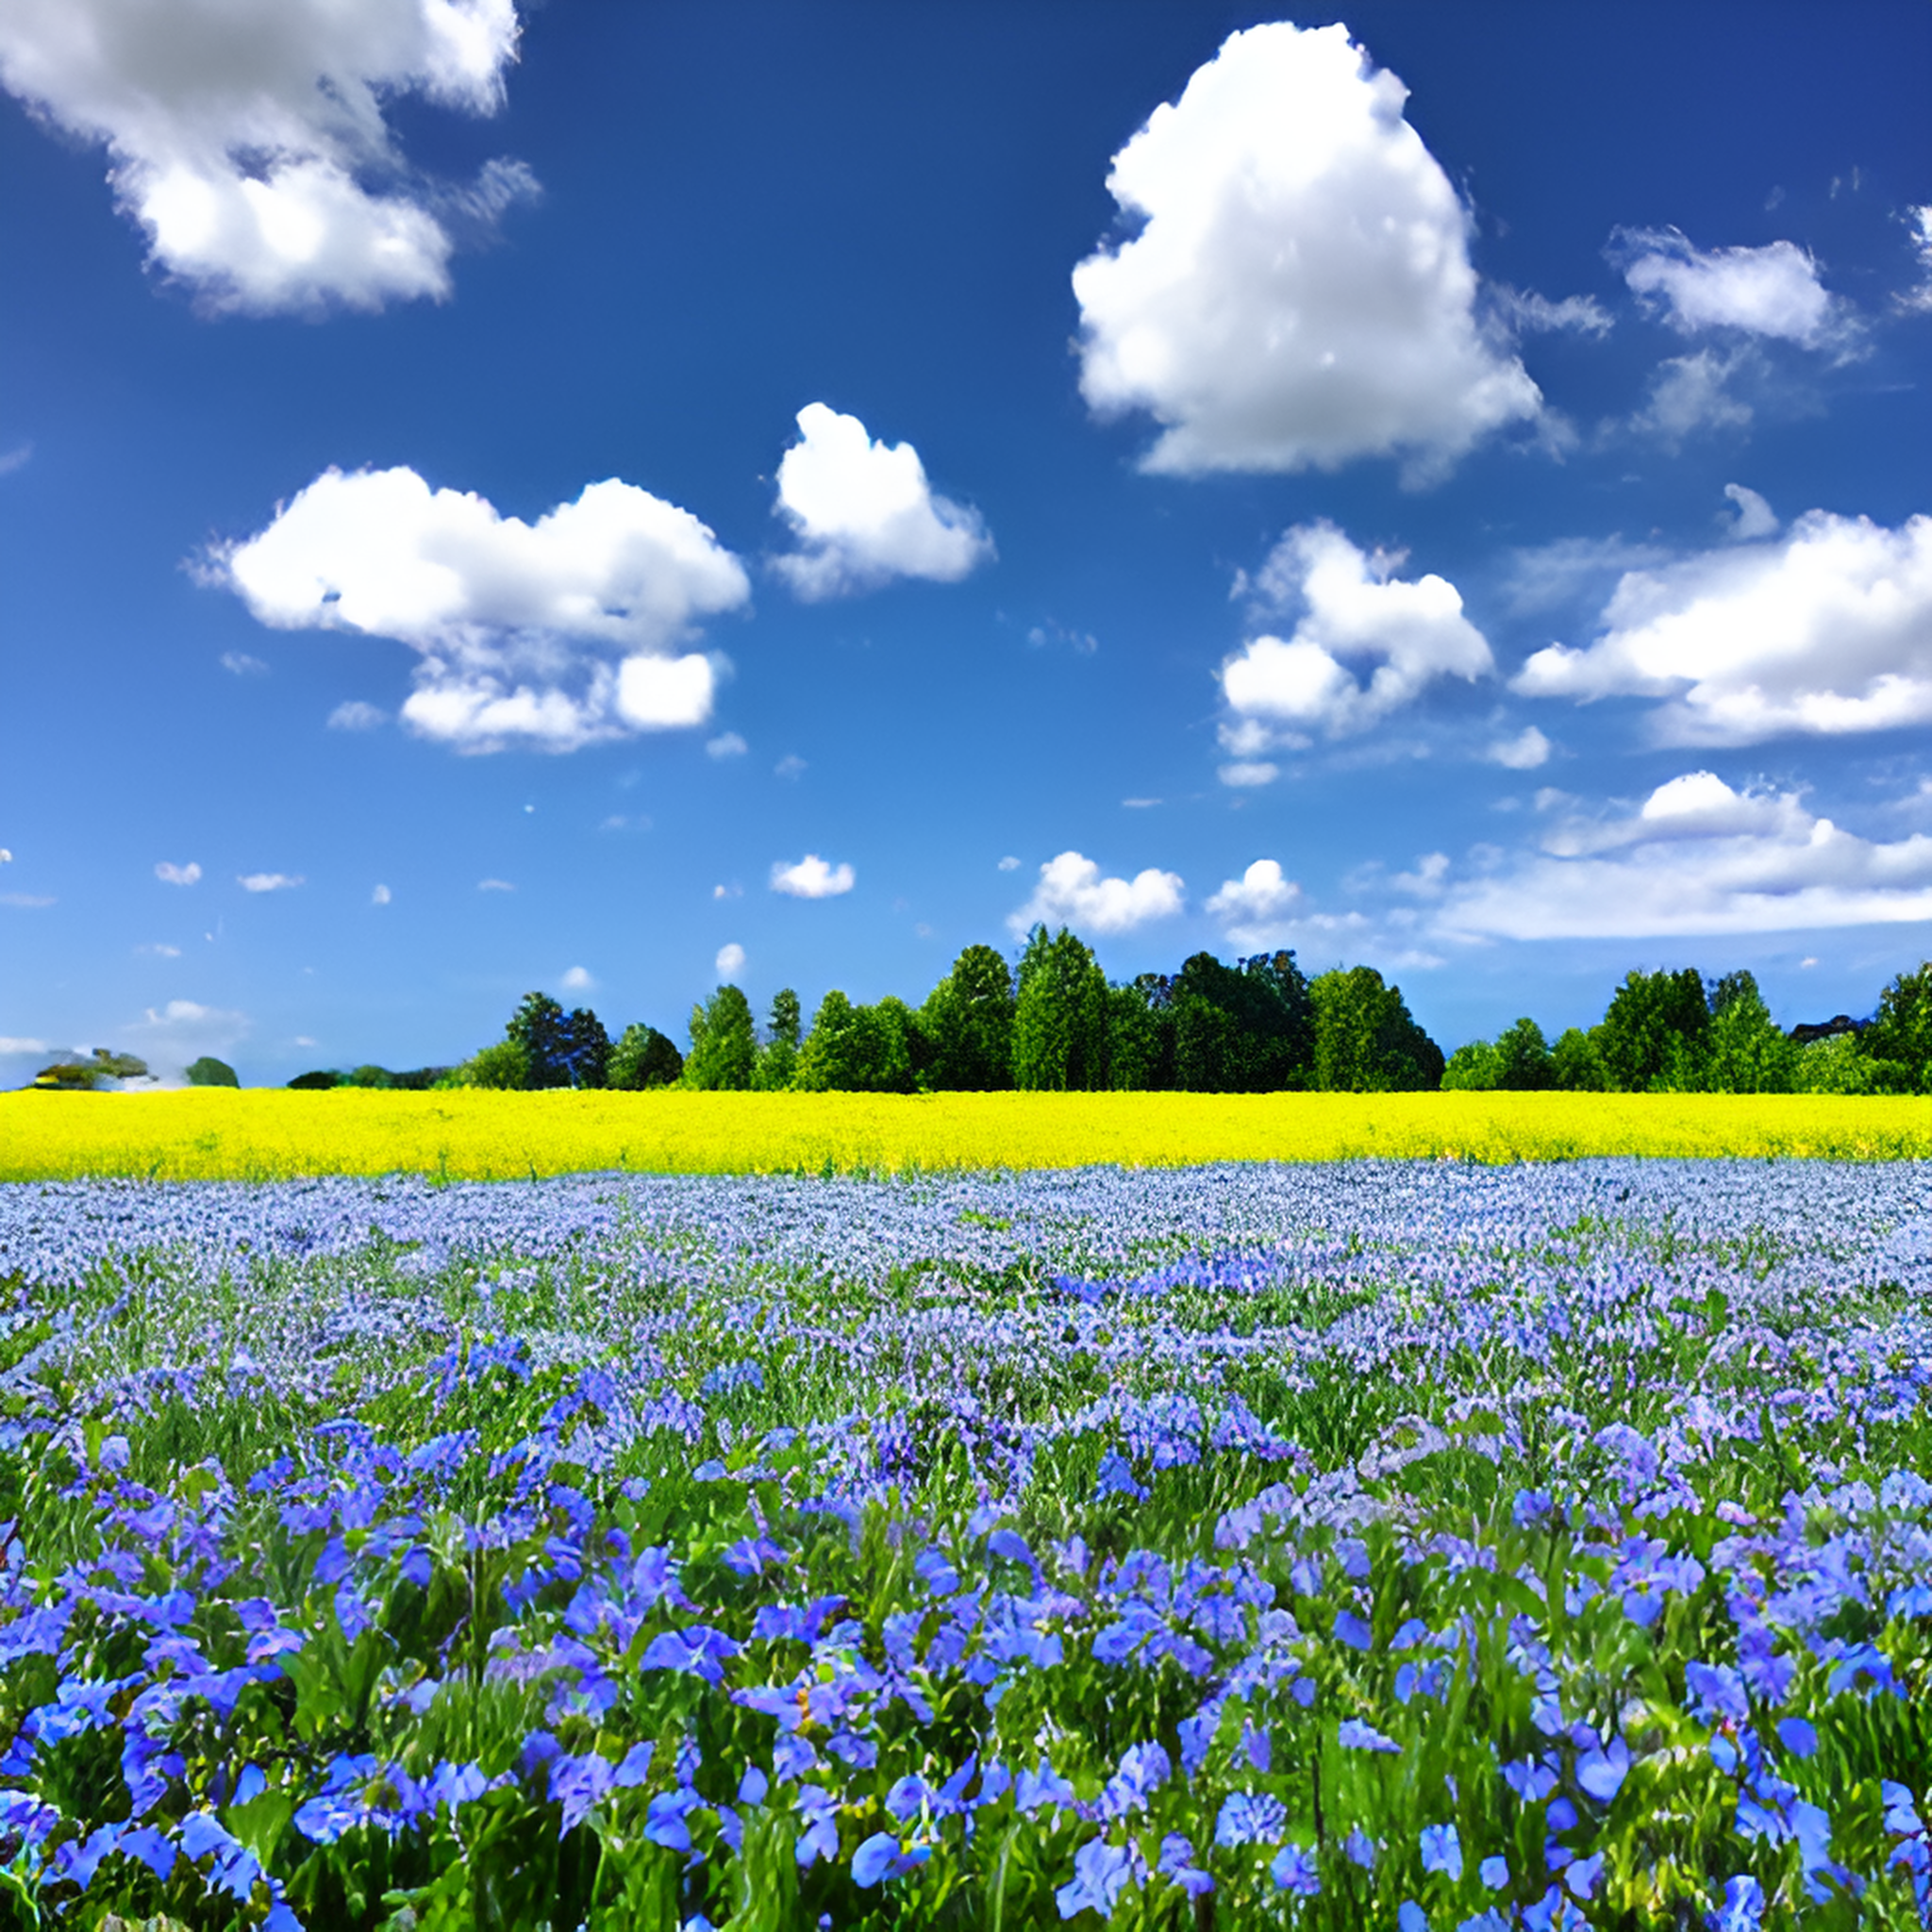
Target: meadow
{"x": 1407, "y": 1544}
{"x": 271, "y": 1134}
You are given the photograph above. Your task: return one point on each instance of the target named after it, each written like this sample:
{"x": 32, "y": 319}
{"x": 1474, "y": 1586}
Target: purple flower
{"x": 1294, "y": 1869}
{"x": 883, "y": 1855}
{"x": 1354, "y": 1735}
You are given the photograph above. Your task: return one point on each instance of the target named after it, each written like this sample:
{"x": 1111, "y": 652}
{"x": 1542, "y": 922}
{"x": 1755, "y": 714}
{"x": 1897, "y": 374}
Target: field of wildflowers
{"x": 270, "y": 1134}
{"x": 1410, "y": 1545}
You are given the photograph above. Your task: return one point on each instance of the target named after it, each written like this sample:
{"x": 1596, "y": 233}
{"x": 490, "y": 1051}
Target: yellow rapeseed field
{"x": 272, "y": 1134}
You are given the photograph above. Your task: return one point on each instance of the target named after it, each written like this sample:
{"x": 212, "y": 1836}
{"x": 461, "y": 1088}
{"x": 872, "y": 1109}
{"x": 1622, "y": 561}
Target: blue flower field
{"x": 1414, "y": 1545}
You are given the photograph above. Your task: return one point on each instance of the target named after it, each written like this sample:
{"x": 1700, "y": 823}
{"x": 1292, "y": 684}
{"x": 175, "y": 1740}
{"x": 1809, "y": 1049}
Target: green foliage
{"x": 858, "y": 1049}
{"x": 1653, "y": 1037}
{"x": 1524, "y": 1061}
{"x": 379, "y": 1078}
{"x": 968, "y": 1022}
{"x": 209, "y": 1072}
{"x": 1246, "y": 1029}
{"x": 81, "y": 1077}
{"x": 503, "y": 1066}
{"x": 1060, "y": 1016}
{"x": 1366, "y": 1040}
{"x": 642, "y": 1058}
{"x": 539, "y": 1026}
{"x": 320, "y": 1081}
{"x": 1745, "y": 1049}
{"x": 1902, "y": 1030}
{"x": 1140, "y": 1040}
{"x": 1835, "y": 1064}
{"x": 723, "y": 1043}
{"x": 1576, "y": 1065}
{"x": 1472, "y": 1068}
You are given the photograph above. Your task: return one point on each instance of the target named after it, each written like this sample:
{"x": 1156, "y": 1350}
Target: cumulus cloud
{"x": 812, "y": 878}
{"x": 1774, "y": 290}
{"x": 1755, "y": 518}
{"x": 728, "y": 744}
{"x": 381, "y": 896}
{"x": 250, "y": 143}
{"x": 268, "y": 881}
{"x": 13, "y": 1044}
{"x": 1409, "y": 633}
{"x": 1009, "y": 863}
{"x": 1247, "y": 773}
{"x": 864, "y": 513}
{"x": 576, "y": 979}
{"x": 1697, "y": 856}
{"x": 355, "y": 715}
{"x": 1545, "y": 575}
{"x": 730, "y": 960}
{"x": 1252, "y": 907}
{"x": 1072, "y": 893}
{"x": 1298, "y": 292}
{"x": 177, "y": 874}
{"x": 552, "y": 634}
{"x": 1920, "y": 221}
{"x": 1826, "y": 631}
{"x": 1528, "y": 749}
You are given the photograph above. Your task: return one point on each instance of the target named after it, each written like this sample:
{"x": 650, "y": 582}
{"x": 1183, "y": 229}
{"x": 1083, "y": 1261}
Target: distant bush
{"x": 209, "y": 1072}
{"x": 320, "y": 1081}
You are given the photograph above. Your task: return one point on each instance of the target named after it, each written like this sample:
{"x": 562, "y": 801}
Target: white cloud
{"x": 1072, "y": 893}
{"x": 160, "y": 951}
{"x": 6, "y": 856}
{"x": 10, "y": 1043}
{"x": 495, "y": 886}
{"x": 1528, "y": 749}
{"x": 1299, "y": 290}
{"x": 1251, "y": 907}
{"x": 730, "y": 892}
{"x": 728, "y": 744}
{"x": 1826, "y": 631}
{"x": 353, "y": 715}
{"x": 1246, "y": 774}
{"x": 1009, "y": 863}
{"x": 266, "y": 881}
{"x": 1548, "y": 574}
{"x": 18, "y": 458}
{"x": 789, "y": 766}
{"x": 1527, "y": 311}
{"x": 242, "y": 665}
{"x": 1692, "y": 392}
{"x": 177, "y": 874}
{"x": 812, "y": 878}
{"x": 381, "y": 896}
{"x": 1410, "y": 632}
{"x": 516, "y": 624}
{"x": 1755, "y": 518}
{"x": 28, "y": 900}
{"x": 1698, "y": 856}
{"x": 864, "y": 512}
{"x": 730, "y": 960}
{"x": 1921, "y": 220}
{"x": 1426, "y": 881}
{"x": 1774, "y": 290}
{"x": 170, "y": 1037}
{"x": 577, "y": 979}
{"x": 249, "y": 141}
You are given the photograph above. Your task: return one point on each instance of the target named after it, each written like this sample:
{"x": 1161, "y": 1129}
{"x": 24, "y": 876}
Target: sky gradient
{"x": 600, "y": 498}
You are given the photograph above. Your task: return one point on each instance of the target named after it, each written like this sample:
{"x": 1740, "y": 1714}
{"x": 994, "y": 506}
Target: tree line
{"x": 1681, "y": 1033}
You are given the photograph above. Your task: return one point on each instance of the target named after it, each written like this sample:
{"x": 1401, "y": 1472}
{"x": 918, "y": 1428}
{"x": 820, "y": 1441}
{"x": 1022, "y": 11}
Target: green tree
{"x": 723, "y": 1043}
{"x": 1366, "y": 1040}
{"x": 1060, "y": 1018}
{"x": 1576, "y": 1064}
{"x": 541, "y": 1029}
{"x": 1836, "y": 1064}
{"x": 858, "y": 1049}
{"x": 374, "y": 1076}
{"x": 503, "y": 1067}
{"x": 1745, "y": 1049}
{"x": 1140, "y": 1044}
{"x": 320, "y": 1081}
{"x": 1653, "y": 1035}
{"x": 209, "y": 1072}
{"x": 778, "y": 1061}
{"x": 1901, "y": 1031}
{"x": 1472, "y": 1068}
{"x": 642, "y": 1058}
{"x": 1523, "y": 1064}
{"x": 85, "y": 1077}
{"x": 967, "y": 1022}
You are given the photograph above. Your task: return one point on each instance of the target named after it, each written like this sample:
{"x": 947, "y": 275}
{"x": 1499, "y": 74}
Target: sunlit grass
{"x": 272, "y": 1134}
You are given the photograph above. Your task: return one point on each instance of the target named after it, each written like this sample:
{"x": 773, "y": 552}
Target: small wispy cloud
{"x": 268, "y": 881}
{"x": 177, "y": 874}
{"x": 242, "y": 665}
{"x": 495, "y": 886}
{"x": 381, "y": 896}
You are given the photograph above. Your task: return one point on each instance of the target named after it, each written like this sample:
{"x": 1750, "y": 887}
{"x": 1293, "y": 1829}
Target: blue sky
{"x": 602, "y": 498}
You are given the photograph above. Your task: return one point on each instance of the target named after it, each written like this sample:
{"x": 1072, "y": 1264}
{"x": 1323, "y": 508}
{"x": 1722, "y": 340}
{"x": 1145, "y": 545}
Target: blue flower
{"x": 1101, "y": 1871}
{"x": 883, "y": 1855}
{"x": 1442, "y": 1850}
{"x": 1293, "y": 1869}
